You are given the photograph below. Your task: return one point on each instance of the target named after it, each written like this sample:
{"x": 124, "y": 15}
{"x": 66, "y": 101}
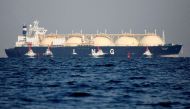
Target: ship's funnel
{"x": 24, "y": 30}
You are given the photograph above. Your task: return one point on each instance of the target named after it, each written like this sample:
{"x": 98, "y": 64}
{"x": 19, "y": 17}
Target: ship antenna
{"x": 145, "y": 31}
{"x": 56, "y": 32}
{"x": 81, "y": 31}
{"x": 155, "y": 32}
{"x": 163, "y": 35}
{"x": 181, "y": 50}
{"x": 97, "y": 31}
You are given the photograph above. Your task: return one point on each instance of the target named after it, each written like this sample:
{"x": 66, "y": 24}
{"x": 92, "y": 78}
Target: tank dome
{"x": 126, "y": 41}
{"x": 151, "y": 41}
{"x": 74, "y": 41}
{"x": 47, "y": 41}
{"x": 102, "y": 41}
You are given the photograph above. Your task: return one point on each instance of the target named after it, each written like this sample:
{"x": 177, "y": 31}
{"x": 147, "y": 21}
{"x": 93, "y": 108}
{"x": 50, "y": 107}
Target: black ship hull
{"x": 86, "y": 51}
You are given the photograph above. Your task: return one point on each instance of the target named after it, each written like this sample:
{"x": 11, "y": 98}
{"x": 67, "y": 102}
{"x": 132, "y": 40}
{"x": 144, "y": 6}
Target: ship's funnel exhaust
{"x": 24, "y": 30}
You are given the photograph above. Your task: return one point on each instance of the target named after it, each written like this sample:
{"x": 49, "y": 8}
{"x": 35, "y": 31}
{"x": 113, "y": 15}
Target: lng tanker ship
{"x": 34, "y": 42}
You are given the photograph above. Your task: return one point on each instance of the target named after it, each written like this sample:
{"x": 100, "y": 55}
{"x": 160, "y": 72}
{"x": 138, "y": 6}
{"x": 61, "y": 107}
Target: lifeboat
{"x": 30, "y": 52}
{"x": 48, "y": 52}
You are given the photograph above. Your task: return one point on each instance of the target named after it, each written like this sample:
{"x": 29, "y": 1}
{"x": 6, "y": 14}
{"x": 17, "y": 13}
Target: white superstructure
{"x": 35, "y": 33}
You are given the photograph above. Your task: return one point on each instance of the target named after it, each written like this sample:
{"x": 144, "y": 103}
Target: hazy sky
{"x": 173, "y": 16}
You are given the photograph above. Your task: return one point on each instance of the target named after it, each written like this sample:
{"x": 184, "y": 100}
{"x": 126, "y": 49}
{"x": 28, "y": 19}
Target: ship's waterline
{"x": 77, "y": 44}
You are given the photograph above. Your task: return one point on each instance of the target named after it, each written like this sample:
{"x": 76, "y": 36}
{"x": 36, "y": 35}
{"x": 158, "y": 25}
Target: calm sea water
{"x": 88, "y": 83}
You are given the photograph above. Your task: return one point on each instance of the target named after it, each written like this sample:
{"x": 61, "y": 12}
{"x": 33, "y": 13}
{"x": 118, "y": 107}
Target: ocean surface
{"x": 89, "y": 83}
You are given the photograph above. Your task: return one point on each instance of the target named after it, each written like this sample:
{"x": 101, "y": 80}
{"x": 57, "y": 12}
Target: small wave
{"x": 186, "y": 93}
{"x": 53, "y": 85}
{"x": 151, "y": 64}
{"x": 105, "y": 65}
{"x": 182, "y": 67}
{"x": 83, "y": 85}
{"x": 26, "y": 99}
{"x": 54, "y": 100}
{"x": 139, "y": 91}
{"x": 78, "y": 69}
{"x": 131, "y": 69}
{"x": 114, "y": 81}
{"x": 77, "y": 65}
{"x": 148, "y": 84}
{"x": 39, "y": 84}
{"x": 177, "y": 87}
{"x": 127, "y": 96}
{"x": 42, "y": 69}
{"x": 137, "y": 77}
{"x": 79, "y": 94}
{"x": 166, "y": 104}
{"x": 110, "y": 88}
{"x": 71, "y": 82}
{"x": 137, "y": 85}
{"x": 80, "y": 86}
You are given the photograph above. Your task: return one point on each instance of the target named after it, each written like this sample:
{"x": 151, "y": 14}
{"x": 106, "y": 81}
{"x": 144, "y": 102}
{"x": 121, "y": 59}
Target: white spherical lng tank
{"x": 151, "y": 41}
{"x": 127, "y": 41}
{"x": 102, "y": 41}
{"x": 74, "y": 41}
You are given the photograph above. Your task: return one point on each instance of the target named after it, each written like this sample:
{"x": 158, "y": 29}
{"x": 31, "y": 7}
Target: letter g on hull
{"x": 112, "y": 51}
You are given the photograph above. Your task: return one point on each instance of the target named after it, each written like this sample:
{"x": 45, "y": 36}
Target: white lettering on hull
{"x": 74, "y": 53}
